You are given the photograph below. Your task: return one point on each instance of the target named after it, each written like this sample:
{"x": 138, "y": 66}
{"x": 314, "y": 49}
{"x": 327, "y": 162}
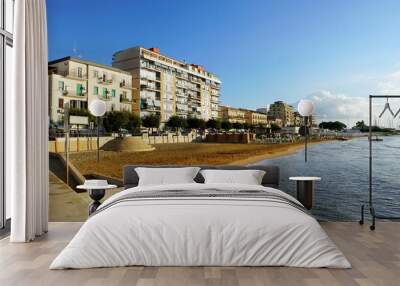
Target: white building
{"x": 78, "y": 82}
{"x": 166, "y": 87}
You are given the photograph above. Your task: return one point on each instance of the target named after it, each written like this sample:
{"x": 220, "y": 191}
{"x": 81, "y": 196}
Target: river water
{"x": 343, "y": 167}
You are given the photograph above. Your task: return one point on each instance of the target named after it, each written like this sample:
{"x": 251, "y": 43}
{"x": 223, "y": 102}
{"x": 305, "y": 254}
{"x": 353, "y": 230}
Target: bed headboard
{"x": 271, "y": 177}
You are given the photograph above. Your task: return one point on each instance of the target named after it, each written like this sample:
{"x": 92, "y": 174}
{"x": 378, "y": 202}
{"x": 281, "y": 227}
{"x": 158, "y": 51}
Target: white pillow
{"x": 248, "y": 177}
{"x": 166, "y": 176}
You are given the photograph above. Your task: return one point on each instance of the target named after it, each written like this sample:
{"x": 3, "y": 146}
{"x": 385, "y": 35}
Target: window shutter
{"x": 79, "y": 89}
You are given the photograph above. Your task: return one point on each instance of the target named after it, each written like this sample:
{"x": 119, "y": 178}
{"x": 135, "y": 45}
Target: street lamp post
{"x": 98, "y": 108}
{"x": 66, "y": 140}
{"x": 306, "y": 108}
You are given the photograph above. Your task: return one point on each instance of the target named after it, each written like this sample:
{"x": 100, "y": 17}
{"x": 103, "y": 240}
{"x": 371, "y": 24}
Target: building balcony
{"x": 150, "y": 67}
{"x": 195, "y": 98}
{"x": 156, "y": 88}
{"x": 194, "y": 79}
{"x": 180, "y": 84}
{"x": 156, "y": 79}
{"x": 68, "y": 93}
{"x": 74, "y": 75}
{"x": 125, "y": 100}
{"x": 181, "y": 76}
{"x": 104, "y": 80}
{"x": 126, "y": 85}
{"x": 152, "y": 108}
{"x": 196, "y": 89}
{"x": 215, "y": 86}
{"x": 105, "y": 98}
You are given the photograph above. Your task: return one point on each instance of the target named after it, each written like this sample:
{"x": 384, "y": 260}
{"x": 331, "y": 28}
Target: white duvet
{"x": 202, "y": 232}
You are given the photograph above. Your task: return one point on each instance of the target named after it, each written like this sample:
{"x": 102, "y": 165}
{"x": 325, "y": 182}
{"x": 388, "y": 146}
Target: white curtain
{"x": 27, "y": 124}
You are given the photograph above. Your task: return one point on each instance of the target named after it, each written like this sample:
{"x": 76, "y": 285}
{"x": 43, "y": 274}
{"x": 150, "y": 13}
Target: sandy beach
{"x": 111, "y": 163}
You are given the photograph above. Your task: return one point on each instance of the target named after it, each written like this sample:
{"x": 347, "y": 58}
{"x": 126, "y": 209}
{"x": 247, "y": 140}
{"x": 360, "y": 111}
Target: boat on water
{"x": 343, "y": 139}
{"x": 377, "y": 139}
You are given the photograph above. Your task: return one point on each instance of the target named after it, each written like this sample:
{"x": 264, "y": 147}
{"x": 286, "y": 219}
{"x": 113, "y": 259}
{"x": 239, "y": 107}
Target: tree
{"x": 202, "y": 124}
{"x": 151, "y": 121}
{"x": 115, "y": 120}
{"x": 176, "y": 122}
{"x": 196, "y": 123}
{"x": 333, "y": 125}
{"x": 213, "y": 124}
{"x": 247, "y": 126}
{"x": 361, "y": 125}
{"x": 275, "y": 128}
{"x": 134, "y": 122}
{"x": 193, "y": 123}
{"x": 237, "y": 125}
{"x": 226, "y": 125}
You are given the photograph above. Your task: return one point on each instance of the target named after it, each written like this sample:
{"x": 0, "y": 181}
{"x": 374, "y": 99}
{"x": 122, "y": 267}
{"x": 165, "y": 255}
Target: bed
{"x": 201, "y": 224}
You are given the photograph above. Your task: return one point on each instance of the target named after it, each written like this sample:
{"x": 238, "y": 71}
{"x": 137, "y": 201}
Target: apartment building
{"x": 283, "y": 111}
{"x": 231, "y": 114}
{"x": 298, "y": 120}
{"x": 166, "y": 86}
{"x": 256, "y": 118}
{"x": 78, "y": 82}
{"x": 274, "y": 121}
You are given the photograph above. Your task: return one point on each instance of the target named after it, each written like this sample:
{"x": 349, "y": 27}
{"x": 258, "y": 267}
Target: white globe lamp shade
{"x": 97, "y": 107}
{"x": 306, "y": 107}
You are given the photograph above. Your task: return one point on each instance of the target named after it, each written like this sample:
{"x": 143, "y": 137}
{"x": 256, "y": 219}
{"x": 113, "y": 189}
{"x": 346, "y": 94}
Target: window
{"x": 96, "y": 74}
{"x": 104, "y": 94}
{"x": 79, "y": 72}
{"x": 96, "y": 90}
{"x": 113, "y": 92}
{"x": 60, "y": 85}
{"x": 60, "y": 103}
{"x": 79, "y": 89}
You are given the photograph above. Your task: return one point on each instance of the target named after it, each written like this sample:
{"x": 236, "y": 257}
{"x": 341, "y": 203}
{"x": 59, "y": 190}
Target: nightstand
{"x": 305, "y": 190}
{"x": 96, "y": 193}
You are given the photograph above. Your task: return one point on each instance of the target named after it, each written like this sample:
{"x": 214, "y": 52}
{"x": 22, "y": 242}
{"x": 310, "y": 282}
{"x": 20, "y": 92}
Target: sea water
{"x": 343, "y": 167}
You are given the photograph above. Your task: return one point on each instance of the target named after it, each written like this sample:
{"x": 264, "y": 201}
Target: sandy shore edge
{"x": 291, "y": 149}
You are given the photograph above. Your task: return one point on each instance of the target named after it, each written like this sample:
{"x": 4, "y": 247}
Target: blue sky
{"x": 262, "y": 50}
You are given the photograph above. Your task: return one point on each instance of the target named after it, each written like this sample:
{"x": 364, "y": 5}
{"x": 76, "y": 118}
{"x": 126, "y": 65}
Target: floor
{"x": 68, "y": 205}
{"x": 375, "y": 257}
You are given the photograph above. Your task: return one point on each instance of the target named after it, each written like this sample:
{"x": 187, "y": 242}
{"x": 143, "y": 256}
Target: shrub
{"x": 226, "y": 125}
{"x": 151, "y": 121}
{"x": 213, "y": 124}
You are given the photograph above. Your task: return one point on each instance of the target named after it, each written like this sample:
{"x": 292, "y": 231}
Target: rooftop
{"x": 87, "y": 62}
{"x": 156, "y": 52}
